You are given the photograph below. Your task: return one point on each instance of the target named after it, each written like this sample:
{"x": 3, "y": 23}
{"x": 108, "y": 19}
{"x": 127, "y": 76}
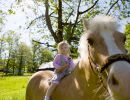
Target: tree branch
{"x": 35, "y": 20}
{"x": 48, "y": 21}
{"x": 60, "y": 26}
{"x": 67, "y": 23}
{"x": 112, "y": 7}
{"x": 118, "y": 6}
{"x": 127, "y": 0}
{"x": 47, "y": 44}
{"x": 40, "y": 17}
{"x": 71, "y": 13}
{"x": 89, "y": 8}
{"x": 73, "y": 29}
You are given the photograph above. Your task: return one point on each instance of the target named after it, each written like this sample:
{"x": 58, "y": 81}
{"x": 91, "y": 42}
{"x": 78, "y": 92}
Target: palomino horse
{"x": 102, "y": 72}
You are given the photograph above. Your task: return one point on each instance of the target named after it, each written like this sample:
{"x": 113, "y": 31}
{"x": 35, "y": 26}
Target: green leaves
{"x": 123, "y": 2}
{"x": 127, "y": 33}
{"x": 10, "y": 11}
{"x": 1, "y": 20}
{"x": 1, "y": 11}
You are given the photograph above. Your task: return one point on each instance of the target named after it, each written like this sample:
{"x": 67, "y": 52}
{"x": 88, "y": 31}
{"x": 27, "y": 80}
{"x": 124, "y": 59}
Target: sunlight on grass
{"x": 13, "y": 87}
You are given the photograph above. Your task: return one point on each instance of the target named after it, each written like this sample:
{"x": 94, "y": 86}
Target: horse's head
{"x": 103, "y": 45}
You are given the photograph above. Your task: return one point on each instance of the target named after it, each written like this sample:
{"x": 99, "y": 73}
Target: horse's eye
{"x": 124, "y": 38}
{"x": 90, "y": 41}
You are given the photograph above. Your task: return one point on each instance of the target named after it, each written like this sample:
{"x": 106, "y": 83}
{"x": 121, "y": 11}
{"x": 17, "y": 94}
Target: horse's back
{"x": 38, "y": 85}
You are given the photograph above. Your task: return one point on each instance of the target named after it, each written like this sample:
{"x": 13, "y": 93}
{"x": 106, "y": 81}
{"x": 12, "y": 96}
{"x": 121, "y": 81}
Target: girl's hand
{"x": 62, "y": 68}
{"x": 66, "y": 65}
{"x": 69, "y": 58}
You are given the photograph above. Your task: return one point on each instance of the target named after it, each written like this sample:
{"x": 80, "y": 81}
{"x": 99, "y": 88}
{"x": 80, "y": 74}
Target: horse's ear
{"x": 85, "y": 24}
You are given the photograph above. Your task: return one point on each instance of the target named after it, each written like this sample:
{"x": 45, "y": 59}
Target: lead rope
{"x": 90, "y": 59}
{"x": 97, "y": 69}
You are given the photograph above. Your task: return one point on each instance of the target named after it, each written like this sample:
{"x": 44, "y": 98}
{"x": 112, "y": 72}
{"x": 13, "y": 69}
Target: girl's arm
{"x": 61, "y": 68}
{"x": 56, "y": 63}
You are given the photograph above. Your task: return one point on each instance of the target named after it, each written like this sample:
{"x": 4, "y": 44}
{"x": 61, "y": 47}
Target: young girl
{"x": 63, "y": 66}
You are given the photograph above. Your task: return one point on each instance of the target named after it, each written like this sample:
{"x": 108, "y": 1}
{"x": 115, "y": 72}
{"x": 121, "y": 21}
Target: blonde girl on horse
{"x": 63, "y": 65}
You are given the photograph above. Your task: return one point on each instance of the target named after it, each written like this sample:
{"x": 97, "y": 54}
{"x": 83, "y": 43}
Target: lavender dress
{"x": 59, "y": 61}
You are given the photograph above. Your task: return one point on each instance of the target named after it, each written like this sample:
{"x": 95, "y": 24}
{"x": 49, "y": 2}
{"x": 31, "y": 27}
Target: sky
{"x": 19, "y": 21}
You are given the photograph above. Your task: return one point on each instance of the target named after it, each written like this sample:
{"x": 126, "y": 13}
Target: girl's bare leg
{"x": 50, "y": 91}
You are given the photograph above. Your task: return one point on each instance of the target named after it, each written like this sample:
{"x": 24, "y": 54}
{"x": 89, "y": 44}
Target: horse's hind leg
{"x": 37, "y": 86}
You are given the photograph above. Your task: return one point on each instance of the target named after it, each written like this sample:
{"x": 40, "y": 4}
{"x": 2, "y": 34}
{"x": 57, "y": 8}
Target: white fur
{"x": 104, "y": 25}
{"x": 83, "y": 49}
{"x": 101, "y": 22}
{"x": 110, "y": 43}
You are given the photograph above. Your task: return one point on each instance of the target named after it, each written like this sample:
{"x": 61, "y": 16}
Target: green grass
{"x": 13, "y": 87}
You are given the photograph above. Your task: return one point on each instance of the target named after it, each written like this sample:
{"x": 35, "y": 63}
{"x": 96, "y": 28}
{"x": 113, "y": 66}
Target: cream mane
{"x": 103, "y": 23}
{"x": 97, "y": 24}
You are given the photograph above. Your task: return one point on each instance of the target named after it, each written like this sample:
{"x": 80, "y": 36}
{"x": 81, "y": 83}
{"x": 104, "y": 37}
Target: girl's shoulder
{"x": 59, "y": 55}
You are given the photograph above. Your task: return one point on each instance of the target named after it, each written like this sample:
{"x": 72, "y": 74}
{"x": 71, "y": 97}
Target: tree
{"x": 24, "y": 57}
{"x": 40, "y": 55}
{"x": 35, "y": 55}
{"x": 2, "y": 36}
{"x": 9, "y": 47}
{"x": 46, "y": 55}
{"x": 127, "y": 33}
{"x": 2, "y": 45}
{"x": 63, "y": 17}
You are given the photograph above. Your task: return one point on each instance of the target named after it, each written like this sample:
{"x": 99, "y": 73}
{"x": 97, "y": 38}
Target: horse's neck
{"x": 82, "y": 82}
{"x": 86, "y": 79}
{"x": 86, "y": 74}
{"x": 83, "y": 71}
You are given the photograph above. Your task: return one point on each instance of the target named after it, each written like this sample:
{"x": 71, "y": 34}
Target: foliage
{"x": 40, "y": 55}
{"x": 2, "y": 45}
{"x": 21, "y": 57}
{"x": 2, "y": 19}
{"x": 11, "y": 11}
{"x": 46, "y": 55}
{"x": 24, "y": 56}
{"x": 2, "y": 63}
{"x": 63, "y": 17}
{"x": 127, "y": 33}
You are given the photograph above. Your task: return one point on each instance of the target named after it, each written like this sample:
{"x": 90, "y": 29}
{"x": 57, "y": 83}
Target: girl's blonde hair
{"x": 61, "y": 44}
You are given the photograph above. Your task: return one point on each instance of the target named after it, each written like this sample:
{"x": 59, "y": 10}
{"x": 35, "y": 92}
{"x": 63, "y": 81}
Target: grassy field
{"x": 13, "y": 87}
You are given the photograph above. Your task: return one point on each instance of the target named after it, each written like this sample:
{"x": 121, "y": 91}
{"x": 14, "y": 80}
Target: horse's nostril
{"x": 113, "y": 80}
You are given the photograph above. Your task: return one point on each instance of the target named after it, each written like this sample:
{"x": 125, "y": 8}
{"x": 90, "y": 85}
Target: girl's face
{"x": 64, "y": 49}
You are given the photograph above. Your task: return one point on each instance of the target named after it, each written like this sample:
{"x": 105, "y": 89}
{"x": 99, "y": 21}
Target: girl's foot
{"x": 47, "y": 98}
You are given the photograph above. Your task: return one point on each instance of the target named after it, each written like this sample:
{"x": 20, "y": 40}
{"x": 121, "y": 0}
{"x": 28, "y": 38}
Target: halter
{"x": 110, "y": 60}
{"x": 99, "y": 69}
{"x": 115, "y": 58}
